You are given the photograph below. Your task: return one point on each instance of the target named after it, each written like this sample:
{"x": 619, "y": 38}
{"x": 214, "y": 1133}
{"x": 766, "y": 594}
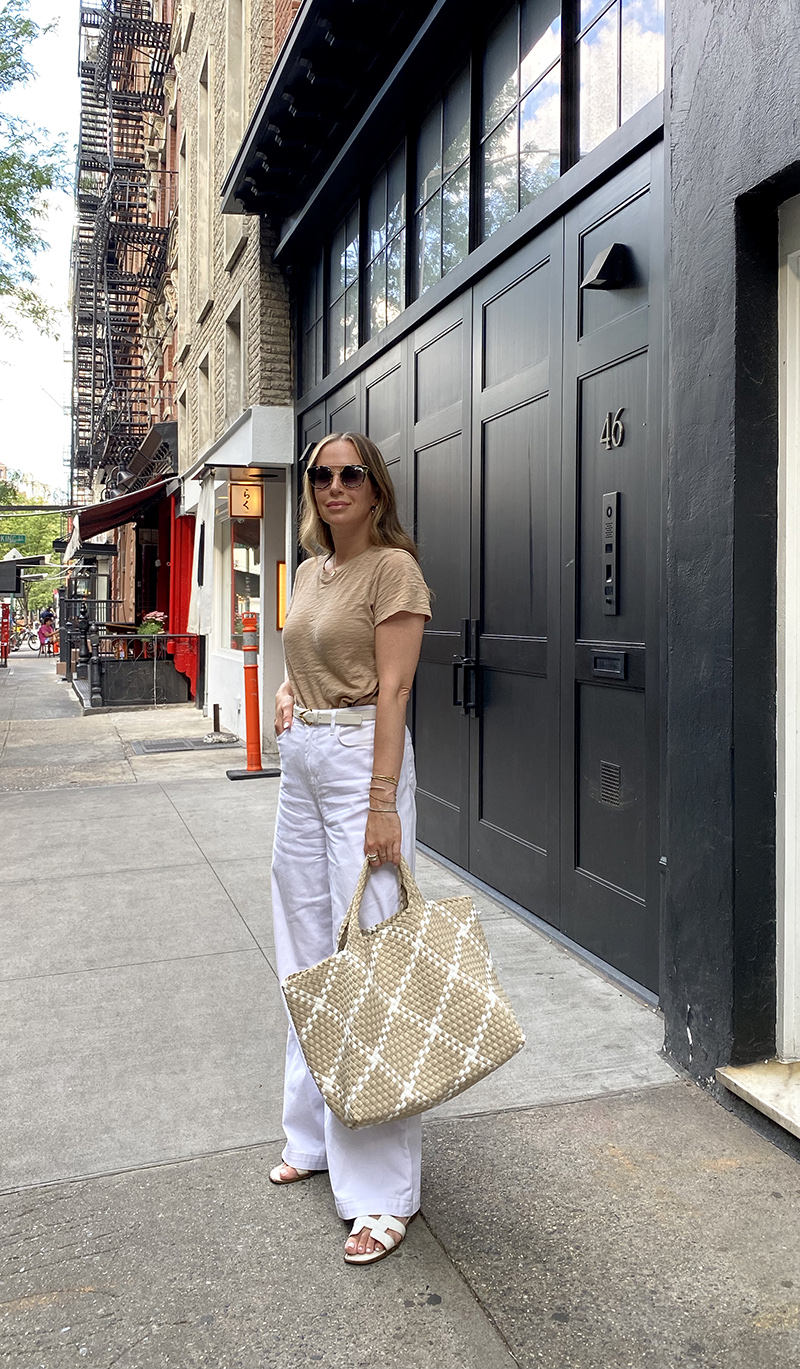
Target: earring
{"x": 374, "y": 508}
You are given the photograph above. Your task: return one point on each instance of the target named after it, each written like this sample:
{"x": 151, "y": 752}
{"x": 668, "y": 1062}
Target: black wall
{"x": 734, "y": 143}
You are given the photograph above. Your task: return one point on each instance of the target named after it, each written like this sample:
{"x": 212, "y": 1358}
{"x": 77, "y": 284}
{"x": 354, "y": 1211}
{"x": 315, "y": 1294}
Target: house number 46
{"x": 613, "y": 434}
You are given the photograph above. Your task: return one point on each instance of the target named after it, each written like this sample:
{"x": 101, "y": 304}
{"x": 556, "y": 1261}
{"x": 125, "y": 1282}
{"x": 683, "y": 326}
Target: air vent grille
{"x": 610, "y": 783}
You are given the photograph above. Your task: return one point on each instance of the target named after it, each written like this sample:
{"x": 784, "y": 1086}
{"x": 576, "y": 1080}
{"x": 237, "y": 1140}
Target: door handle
{"x": 458, "y": 664}
{"x": 464, "y": 688}
{"x": 470, "y": 703}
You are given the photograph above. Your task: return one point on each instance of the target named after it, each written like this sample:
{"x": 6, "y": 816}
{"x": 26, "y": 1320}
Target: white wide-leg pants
{"x": 317, "y": 858}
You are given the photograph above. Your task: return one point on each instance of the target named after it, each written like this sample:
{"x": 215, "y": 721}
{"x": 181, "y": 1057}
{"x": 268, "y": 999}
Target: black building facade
{"x": 544, "y": 279}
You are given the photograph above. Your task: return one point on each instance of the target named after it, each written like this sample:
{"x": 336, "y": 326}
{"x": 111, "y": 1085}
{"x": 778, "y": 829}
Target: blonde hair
{"x": 386, "y": 530}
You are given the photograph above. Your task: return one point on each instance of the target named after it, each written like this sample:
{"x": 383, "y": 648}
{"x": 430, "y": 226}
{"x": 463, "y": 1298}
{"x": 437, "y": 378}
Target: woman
{"x": 352, "y": 640}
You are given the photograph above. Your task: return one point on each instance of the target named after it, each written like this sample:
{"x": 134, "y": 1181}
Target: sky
{"x": 35, "y": 371}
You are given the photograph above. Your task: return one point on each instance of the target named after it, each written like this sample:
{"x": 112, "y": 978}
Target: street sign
{"x": 17, "y": 539}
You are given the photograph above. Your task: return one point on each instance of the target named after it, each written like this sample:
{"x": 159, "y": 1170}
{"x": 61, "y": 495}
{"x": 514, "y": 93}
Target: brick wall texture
{"x": 242, "y": 265}
{"x": 285, "y": 10}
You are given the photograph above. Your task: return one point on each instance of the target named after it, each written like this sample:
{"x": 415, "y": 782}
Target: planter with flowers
{"x": 151, "y": 625}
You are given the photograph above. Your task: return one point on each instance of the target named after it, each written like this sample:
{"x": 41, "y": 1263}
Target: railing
{"x": 129, "y": 669}
{"x": 104, "y": 612}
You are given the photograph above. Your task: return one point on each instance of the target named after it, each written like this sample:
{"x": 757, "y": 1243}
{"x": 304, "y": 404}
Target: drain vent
{"x": 610, "y": 783}
{"x": 162, "y": 745}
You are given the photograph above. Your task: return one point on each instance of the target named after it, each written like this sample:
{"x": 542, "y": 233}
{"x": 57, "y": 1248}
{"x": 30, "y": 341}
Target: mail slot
{"x": 611, "y": 664}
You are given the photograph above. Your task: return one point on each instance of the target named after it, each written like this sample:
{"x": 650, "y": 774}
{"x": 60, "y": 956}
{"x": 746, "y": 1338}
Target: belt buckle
{"x": 302, "y": 716}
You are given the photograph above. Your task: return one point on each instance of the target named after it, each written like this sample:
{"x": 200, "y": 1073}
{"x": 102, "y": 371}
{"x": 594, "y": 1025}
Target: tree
{"x": 39, "y": 531}
{"x": 31, "y": 165}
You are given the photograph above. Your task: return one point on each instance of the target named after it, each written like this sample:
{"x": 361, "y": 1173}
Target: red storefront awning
{"x": 112, "y": 513}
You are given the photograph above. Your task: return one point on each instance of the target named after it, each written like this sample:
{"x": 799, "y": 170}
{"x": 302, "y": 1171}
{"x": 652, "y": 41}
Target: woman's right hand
{"x": 284, "y": 708}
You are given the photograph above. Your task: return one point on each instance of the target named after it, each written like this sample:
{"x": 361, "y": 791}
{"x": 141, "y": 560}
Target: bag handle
{"x": 407, "y": 887}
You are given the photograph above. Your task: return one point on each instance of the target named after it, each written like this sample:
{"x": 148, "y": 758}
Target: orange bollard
{"x": 251, "y": 713}
{"x": 251, "y": 710}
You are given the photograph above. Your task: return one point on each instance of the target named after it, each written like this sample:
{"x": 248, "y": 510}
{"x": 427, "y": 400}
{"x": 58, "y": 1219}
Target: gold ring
{"x": 374, "y": 856}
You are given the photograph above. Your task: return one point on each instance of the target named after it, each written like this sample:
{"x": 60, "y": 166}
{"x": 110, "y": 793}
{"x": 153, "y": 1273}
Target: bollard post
{"x": 251, "y": 710}
{"x": 83, "y": 650}
{"x": 95, "y": 687}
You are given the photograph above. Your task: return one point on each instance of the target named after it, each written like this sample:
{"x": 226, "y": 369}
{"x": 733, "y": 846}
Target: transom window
{"x": 386, "y": 245}
{"x": 343, "y": 291}
{"x": 313, "y": 313}
{"x": 441, "y": 218}
{"x": 521, "y": 134}
{"x": 548, "y": 83}
{"x": 621, "y": 62}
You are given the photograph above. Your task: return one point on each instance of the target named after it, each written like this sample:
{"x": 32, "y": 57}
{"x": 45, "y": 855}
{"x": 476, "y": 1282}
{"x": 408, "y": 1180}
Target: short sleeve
{"x": 399, "y": 587}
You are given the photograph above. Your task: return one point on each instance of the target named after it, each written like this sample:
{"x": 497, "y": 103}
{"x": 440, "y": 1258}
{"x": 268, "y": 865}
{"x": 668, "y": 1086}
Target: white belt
{"x": 342, "y": 717}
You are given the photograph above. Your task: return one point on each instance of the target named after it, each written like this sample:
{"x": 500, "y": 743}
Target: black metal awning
{"x": 334, "y": 61}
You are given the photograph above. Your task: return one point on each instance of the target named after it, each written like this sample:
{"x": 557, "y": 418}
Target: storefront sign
{"x": 244, "y": 501}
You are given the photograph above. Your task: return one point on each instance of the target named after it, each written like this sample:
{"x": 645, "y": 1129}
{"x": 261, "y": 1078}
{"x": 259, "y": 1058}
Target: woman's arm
{"x": 398, "y": 641}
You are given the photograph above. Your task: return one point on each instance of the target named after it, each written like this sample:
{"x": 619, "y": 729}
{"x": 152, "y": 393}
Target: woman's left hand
{"x": 383, "y": 838}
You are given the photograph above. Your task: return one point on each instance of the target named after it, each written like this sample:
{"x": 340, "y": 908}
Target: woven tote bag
{"x": 403, "y": 1015}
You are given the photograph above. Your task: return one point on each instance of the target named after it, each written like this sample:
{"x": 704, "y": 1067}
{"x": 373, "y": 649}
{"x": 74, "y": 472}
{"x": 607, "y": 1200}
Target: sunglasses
{"x": 352, "y": 477}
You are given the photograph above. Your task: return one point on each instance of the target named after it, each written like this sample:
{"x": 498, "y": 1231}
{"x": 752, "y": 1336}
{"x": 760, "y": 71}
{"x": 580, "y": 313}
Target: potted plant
{"x": 150, "y": 626}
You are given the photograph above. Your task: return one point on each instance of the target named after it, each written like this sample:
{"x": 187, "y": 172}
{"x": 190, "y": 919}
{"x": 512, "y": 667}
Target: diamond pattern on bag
{"x": 403, "y": 1015}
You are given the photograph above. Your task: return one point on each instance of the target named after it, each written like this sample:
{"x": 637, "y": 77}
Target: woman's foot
{"x": 375, "y": 1237}
{"x": 289, "y": 1174}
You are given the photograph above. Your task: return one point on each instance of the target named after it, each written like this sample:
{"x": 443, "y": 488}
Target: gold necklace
{"x": 330, "y": 573}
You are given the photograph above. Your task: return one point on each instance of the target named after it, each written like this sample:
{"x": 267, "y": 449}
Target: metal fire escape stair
{"x": 120, "y": 240}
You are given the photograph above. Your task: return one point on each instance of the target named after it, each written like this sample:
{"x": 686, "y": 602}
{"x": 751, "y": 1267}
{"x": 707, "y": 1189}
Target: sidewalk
{"x": 583, "y": 1207}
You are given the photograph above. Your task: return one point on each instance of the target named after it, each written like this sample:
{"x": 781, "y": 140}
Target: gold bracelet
{"x": 381, "y": 810}
{"x": 390, "y": 778}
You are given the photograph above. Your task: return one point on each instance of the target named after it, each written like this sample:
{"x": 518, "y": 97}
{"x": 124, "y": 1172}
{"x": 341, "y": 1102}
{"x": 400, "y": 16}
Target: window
{"x": 441, "y": 219}
{"x": 204, "y": 188}
{"x": 311, "y": 362}
{"x": 621, "y": 58}
{"x": 234, "y": 379}
{"x": 235, "y": 110}
{"x": 521, "y": 132}
{"x": 343, "y": 291}
{"x": 183, "y": 432}
{"x": 245, "y": 537}
{"x": 183, "y": 245}
{"x": 386, "y": 245}
{"x": 204, "y": 431}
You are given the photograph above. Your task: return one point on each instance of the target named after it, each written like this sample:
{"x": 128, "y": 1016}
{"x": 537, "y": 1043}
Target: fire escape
{"x": 120, "y": 239}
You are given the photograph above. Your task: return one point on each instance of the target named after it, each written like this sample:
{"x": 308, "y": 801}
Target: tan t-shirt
{"x": 329, "y": 633}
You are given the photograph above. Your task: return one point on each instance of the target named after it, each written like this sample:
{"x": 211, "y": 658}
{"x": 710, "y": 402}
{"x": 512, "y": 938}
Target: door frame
{"x": 788, "y": 639}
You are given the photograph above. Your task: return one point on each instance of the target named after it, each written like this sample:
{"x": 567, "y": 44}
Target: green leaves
{"x": 31, "y": 165}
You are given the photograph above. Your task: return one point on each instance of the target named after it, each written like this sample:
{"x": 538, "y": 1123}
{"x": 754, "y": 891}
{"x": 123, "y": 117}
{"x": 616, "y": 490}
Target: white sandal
{"x": 275, "y": 1174}
{"x": 380, "y": 1229}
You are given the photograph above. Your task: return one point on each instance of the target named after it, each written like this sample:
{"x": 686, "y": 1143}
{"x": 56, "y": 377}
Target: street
{"x": 584, "y": 1206}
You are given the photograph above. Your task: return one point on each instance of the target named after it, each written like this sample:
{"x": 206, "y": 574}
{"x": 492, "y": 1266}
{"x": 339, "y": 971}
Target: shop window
{"x": 312, "y": 357}
{"x": 521, "y": 110}
{"x": 245, "y": 542}
{"x": 343, "y": 291}
{"x": 441, "y": 218}
{"x": 386, "y": 245}
{"x": 621, "y": 62}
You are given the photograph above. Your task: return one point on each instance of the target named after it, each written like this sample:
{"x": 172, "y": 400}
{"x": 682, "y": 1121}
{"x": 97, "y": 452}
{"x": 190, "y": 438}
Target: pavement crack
{"x": 256, "y": 944}
{"x": 460, "y": 1274}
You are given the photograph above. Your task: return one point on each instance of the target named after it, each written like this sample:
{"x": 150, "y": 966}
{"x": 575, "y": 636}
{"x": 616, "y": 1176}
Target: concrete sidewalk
{"x": 583, "y": 1207}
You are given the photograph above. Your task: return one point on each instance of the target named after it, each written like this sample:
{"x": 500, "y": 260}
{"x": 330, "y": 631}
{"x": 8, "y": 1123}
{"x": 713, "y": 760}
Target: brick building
{"x": 233, "y": 355}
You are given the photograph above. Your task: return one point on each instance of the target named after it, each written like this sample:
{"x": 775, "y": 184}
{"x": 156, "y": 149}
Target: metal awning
{"x": 112, "y": 513}
{"x": 333, "y": 61}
